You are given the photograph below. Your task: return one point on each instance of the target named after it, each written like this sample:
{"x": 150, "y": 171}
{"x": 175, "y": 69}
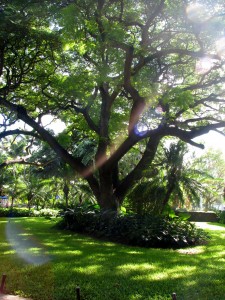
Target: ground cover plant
{"x": 108, "y": 270}
{"x": 146, "y": 230}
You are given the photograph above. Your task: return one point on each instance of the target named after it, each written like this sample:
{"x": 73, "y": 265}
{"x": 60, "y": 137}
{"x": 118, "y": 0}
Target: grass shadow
{"x": 107, "y": 270}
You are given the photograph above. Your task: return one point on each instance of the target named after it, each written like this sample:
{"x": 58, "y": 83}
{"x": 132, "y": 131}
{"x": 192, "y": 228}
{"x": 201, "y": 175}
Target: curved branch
{"x": 138, "y": 101}
{"x": 151, "y": 149}
{"x": 45, "y": 135}
{"x": 188, "y": 136}
{"x": 18, "y": 131}
{"x": 21, "y": 161}
{"x": 137, "y": 172}
{"x": 75, "y": 163}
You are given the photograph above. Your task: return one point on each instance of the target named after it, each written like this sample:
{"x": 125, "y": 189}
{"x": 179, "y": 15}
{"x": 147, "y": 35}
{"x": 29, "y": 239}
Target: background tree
{"x": 213, "y": 163}
{"x": 37, "y": 190}
{"x": 119, "y": 73}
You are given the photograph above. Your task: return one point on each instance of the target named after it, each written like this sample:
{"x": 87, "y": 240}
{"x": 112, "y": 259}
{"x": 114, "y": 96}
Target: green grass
{"x": 105, "y": 270}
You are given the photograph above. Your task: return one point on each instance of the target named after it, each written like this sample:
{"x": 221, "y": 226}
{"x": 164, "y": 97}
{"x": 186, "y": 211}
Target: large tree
{"x": 121, "y": 74}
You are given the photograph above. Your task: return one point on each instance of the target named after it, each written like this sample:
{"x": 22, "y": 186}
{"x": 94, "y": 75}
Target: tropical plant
{"x": 182, "y": 181}
{"x": 138, "y": 230}
{"x": 176, "y": 182}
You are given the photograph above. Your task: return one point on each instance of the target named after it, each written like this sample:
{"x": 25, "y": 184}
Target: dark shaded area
{"x": 132, "y": 229}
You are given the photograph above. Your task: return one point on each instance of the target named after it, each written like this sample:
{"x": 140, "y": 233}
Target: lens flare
{"x": 25, "y": 246}
{"x": 159, "y": 110}
{"x": 203, "y": 65}
{"x": 197, "y": 13}
{"x": 220, "y": 47}
{"x": 140, "y": 129}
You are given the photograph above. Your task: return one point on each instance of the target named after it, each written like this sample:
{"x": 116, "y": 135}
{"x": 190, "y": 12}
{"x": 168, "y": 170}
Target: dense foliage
{"x": 133, "y": 229}
{"x": 122, "y": 76}
{"x": 173, "y": 179}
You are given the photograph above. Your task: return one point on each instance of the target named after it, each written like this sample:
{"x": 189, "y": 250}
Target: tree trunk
{"x": 170, "y": 189}
{"x": 29, "y": 199}
{"x": 12, "y": 202}
{"x": 107, "y": 201}
{"x": 66, "y": 193}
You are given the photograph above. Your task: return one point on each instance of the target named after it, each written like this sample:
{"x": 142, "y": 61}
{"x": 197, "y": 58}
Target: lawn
{"x": 105, "y": 270}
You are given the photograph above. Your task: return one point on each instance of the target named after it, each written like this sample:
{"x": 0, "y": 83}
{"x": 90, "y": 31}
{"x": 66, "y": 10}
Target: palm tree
{"x": 182, "y": 181}
{"x": 174, "y": 181}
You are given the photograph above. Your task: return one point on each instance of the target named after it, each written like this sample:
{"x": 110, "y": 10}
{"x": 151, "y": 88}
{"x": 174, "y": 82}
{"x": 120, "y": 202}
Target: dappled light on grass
{"x": 131, "y": 268}
{"x": 107, "y": 270}
{"x": 152, "y": 273}
{"x": 92, "y": 269}
{"x": 72, "y": 252}
{"x": 35, "y": 250}
{"x": 191, "y": 251}
{"x": 210, "y": 226}
{"x": 9, "y": 252}
{"x": 25, "y": 234}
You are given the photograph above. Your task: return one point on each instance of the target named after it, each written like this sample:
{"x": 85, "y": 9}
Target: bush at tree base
{"x": 133, "y": 229}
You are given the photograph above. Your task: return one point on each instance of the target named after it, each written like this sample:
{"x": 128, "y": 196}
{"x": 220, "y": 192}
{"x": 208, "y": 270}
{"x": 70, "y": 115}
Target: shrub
{"x": 45, "y": 212}
{"x": 221, "y": 217}
{"x": 25, "y": 212}
{"x": 14, "y": 212}
{"x": 133, "y": 229}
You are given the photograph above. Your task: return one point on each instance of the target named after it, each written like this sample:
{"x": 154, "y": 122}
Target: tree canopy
{"x": 122, "y": 75}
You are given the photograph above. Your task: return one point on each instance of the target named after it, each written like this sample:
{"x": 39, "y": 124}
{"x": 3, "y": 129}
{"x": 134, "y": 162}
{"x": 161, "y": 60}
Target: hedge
{"x": 25, "y": 212}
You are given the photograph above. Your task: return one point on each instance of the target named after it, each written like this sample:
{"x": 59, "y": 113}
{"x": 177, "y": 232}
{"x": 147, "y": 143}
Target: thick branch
{"x": 18, "y": 131}
{"x": 88, "y": 119}
{"x": 45, "y": 135}
{"x": 138, "y": 101}
{"x": 137, "y": 172}
{"x": 151, "y": 149}
{"x": 104, "y": 124}
{"x": 75, "y": 163}
{"x": 187, "y": 136}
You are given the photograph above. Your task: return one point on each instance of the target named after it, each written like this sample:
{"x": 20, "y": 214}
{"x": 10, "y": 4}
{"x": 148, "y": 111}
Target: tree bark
{"x": 66, "y": 193}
